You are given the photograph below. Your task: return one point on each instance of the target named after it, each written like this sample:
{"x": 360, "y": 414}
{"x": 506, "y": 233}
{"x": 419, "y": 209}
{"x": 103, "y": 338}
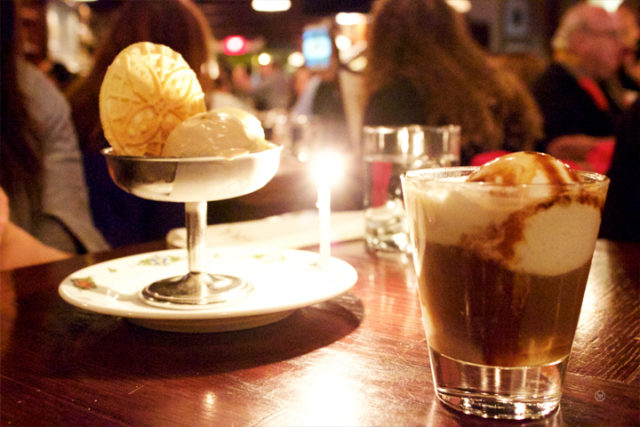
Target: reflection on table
{"x": 357, "y": 359}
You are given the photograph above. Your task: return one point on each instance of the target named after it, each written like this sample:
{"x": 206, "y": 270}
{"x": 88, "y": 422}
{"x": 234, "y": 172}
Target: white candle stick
{"x": 324, "y": 217}
{"x": 326, "y": 169}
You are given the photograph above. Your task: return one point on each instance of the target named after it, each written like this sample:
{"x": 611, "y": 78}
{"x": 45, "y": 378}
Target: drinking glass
{"x": 502, "y": 271}
{"x": 388, "y": 153}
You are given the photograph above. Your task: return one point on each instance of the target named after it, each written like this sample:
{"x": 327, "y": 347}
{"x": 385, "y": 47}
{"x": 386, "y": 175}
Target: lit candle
{"x": 327, "y": 168}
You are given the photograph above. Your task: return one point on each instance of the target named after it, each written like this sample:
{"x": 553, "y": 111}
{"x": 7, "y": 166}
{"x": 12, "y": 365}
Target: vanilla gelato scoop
{"x": 222, "y": 132}
{"x": 525, "y": 167}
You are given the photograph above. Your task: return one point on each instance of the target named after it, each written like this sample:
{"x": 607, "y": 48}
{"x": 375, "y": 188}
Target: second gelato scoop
{"x": 525, "y": 167}
{"x": 222, "y": 132}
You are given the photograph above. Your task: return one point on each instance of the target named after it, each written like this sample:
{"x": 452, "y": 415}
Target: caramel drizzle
{"x": 497, "y": 242}
{"x": 551, "y": 171}
{"x": 511, "y": 173}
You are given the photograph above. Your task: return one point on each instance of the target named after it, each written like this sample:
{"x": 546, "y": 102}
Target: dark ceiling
{"x": 279, "y": 29}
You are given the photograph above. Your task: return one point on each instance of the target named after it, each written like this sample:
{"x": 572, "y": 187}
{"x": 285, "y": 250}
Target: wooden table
{"x": 359, "y": 359}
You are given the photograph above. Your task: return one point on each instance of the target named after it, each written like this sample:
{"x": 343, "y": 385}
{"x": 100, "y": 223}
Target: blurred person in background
{"x": 241, "y": 78}
{"x": 223, "y": 92}
{"x": 629, "y": 71}
{"x": 621, "y": 213}
{"x": 272, "y": 88}
{"x": 19, "y": 248}
{"x": 527, "y": 66}
{"x": 578, "y": 113}
{"x": 304, "y": 84}
{"x": 41, "y": 166}
{"x": 328, "y": 105}
{"x": 425, "y": 68}
{"x": 58, "y": 73}
{"x": 179, "y": 24}
{"x": 320, "y": 96}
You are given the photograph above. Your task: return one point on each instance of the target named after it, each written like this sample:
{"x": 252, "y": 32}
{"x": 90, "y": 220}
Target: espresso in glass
{"x": 502, "y": 271}
{"x": 483, "y": 313}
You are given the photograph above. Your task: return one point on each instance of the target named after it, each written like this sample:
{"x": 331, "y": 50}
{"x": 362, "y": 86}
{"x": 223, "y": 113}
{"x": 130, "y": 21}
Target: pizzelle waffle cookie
{"x": 147, "y": 91}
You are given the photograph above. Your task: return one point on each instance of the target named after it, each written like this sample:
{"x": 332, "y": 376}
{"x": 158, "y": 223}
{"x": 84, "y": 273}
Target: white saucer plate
{"x": 283, "y": 279}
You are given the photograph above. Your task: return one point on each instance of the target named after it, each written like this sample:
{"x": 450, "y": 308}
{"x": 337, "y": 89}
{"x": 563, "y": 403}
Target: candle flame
{"x": 327, "y": 167}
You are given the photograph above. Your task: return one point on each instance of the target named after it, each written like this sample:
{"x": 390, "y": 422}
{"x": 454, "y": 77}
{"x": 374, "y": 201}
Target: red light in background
{"x": 235, "y": 45}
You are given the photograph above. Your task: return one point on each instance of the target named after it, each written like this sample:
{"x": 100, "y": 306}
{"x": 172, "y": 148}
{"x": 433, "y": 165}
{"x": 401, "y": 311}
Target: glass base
{"x": 378, "y": 240}
{"x": 498, "y": 392}
{"x": 386, "y": 228}
{"x": 195, "y": 290}
{"x": 391, "y": 243}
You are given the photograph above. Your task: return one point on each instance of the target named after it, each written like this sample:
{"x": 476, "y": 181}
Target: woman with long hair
{"x": 425, "y": 68}
{"x": 41, "y": 169}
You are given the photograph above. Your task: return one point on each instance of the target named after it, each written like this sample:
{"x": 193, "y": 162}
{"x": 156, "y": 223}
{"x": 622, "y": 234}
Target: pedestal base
{"x": 195, "y": 290}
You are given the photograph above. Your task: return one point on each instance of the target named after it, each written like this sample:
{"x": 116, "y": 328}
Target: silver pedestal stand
{"x": 193, "y": 181}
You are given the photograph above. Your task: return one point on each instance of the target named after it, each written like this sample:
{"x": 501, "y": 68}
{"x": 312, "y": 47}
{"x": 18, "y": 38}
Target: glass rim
{"x": 385, "y": 129}
{"x": 428, "y": 175}
{"x": 109, "y": 152}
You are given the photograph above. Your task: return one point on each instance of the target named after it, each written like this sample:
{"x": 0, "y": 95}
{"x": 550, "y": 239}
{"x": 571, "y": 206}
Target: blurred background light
{"x": 608, "y": 5}
{"x": 296, "y": 59}
{"x": 462, "y": 6}
{"x": 350, "y": 18}
{"x": 264, "y": 59}
{"x": 235, "y": 45}
{"x": 271, "y": 5}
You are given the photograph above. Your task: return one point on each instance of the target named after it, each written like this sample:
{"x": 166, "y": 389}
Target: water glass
{"x": 388, "y": 153}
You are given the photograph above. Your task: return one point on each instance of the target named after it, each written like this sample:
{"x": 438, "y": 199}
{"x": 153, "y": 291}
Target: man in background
{"x": 578, "y": 113}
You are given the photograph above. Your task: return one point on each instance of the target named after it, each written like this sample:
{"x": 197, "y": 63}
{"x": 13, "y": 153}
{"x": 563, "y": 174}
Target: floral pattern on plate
{"x": 283, "y": 280}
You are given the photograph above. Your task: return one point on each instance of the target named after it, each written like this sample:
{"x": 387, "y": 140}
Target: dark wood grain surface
{"x": 359, "y": 359}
